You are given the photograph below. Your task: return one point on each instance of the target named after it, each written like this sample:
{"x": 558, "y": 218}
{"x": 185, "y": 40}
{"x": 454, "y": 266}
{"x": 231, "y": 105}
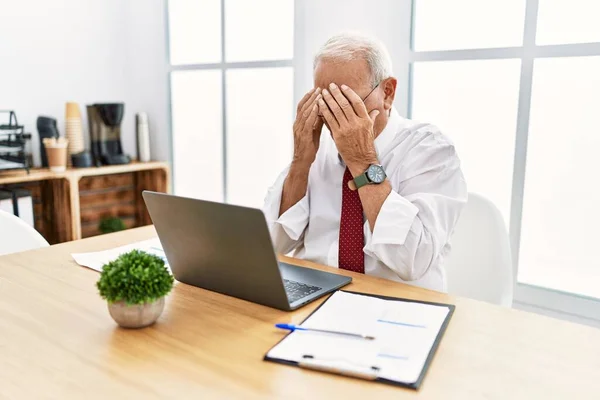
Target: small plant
{"x": 135, "y": 277}
{"x": 111, "y": 224}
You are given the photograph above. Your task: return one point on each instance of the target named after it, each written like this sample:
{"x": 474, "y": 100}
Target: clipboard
{"x": 364, "y": 372}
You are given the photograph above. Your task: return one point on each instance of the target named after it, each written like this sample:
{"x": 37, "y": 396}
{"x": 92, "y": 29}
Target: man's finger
{"x": 318, "y": 124}
{"x": 305, "y": 99}
{"x": 317, "y": 128}
{"x": 373, "y": 114}
{"x": 307, "y": 108}
{"x": 334, "y": 107}
{"x": 342, "y": 101}
{"x": 356, "y": 101}
{"x": 311, "y": 100}
{"x": 311, "y": 117}
{"x": 327, "y": 115}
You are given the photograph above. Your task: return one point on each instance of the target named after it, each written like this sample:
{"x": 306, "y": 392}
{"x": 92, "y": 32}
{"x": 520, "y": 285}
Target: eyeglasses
{"x": 367, "y": 96}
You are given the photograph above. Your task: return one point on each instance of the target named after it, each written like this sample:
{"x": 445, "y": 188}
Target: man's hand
{"x": 351, "y": 126}
{"x": 307, "y": 128}
{"x": 352, "y": 130}
{"x": 307, "y": 133}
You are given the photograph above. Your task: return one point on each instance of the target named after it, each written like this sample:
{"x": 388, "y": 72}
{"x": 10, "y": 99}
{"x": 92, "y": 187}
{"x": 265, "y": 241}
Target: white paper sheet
{"x": 96, "y": 260}
{"x": 404, "y": 335}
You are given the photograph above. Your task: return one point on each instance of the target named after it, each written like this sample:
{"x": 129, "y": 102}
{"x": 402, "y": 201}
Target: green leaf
{"x": 135, "y": 277}
{"x": 111, "y": 224}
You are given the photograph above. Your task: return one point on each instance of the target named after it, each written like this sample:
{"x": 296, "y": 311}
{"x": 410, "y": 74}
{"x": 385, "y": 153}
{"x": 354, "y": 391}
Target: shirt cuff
{"x": 393, "y": 223}
{"x": 294, "y": 220}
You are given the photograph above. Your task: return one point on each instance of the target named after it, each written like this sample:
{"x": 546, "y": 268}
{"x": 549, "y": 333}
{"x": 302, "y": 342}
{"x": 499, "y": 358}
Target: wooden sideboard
{"x": 70, "y": 205}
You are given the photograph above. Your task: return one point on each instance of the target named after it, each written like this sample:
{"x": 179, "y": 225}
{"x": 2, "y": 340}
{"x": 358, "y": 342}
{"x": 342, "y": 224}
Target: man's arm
{"x": 372, "y": 197}
{"x": 286, "y": 207}
{"x": 286, "y": 230}
{"x": 406, "y": 232}
{"x": 413, "y": 228}
{"x": 352, "y": 129}
{"x": 295, "y": 186}
{"x": 307, "y": 134}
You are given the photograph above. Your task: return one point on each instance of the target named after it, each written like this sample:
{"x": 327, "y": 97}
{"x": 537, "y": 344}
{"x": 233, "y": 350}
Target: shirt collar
{"x": 389, "y": 132}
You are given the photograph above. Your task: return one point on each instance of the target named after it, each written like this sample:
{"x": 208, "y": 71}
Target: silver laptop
{"x": 228, "y": 249}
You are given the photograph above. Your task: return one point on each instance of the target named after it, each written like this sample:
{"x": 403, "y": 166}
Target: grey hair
{"x": 347, "y": 46}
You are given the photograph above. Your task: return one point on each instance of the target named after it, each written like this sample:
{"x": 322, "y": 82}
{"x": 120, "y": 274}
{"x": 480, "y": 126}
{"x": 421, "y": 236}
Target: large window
{"x": 231, "y": 96}
{"x": 516, "y": 85}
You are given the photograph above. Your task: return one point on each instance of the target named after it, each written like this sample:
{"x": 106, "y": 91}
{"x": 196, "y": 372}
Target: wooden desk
{"x": 58, "y": 341}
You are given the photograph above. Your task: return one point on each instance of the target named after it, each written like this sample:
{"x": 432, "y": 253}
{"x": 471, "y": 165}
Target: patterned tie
{"x": 351, "y": 240}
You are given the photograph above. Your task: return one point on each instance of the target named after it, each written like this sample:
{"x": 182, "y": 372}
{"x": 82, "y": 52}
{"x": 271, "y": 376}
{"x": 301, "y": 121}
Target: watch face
{"x": 376, "y": 174}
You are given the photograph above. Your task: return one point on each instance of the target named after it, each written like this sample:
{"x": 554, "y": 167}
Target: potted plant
{"x": 135, "y": 286}
{"x": 111, "y": 224}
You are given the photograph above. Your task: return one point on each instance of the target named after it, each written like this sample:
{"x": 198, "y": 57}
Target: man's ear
{"x": 389, "y": 90}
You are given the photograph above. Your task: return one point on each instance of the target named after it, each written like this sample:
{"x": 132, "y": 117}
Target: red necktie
{"x": 351, "y": 240}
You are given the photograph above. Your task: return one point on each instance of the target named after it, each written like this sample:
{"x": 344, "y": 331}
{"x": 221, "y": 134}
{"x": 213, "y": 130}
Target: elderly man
{"x": 379, "y": 194}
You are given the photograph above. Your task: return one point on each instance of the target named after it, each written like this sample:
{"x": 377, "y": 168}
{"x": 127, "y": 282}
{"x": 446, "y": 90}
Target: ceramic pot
{"x": 136, "y": 315}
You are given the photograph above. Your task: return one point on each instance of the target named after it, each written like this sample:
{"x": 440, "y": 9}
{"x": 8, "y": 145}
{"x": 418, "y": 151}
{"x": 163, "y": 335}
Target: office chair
{"x": 479, "y": 265}
{"x": 16, "y": 235}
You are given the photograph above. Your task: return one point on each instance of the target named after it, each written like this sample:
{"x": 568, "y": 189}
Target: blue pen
{"x": 292, "y": 327}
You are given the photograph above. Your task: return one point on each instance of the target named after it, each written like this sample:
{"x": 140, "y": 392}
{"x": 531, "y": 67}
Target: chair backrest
{"x": 480, "y": 263}
{"x": 16, "y": 235}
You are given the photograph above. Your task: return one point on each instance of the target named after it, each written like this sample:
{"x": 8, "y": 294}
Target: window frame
{"x": 223, "y": 66}
{"x": 526, "y": 296}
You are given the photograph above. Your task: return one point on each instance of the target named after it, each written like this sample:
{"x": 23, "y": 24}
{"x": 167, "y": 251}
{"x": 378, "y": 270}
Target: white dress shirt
{"x": 413, "y": 228}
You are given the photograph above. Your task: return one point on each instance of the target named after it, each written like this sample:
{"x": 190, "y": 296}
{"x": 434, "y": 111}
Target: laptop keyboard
{"x": 296, "y": 290}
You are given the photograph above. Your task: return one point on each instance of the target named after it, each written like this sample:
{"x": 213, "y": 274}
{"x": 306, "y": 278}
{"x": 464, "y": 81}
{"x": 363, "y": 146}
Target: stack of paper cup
{"x": 74, "y": 130}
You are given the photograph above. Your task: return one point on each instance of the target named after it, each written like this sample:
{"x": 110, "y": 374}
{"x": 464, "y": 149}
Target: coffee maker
{"x": 105, "y": 133}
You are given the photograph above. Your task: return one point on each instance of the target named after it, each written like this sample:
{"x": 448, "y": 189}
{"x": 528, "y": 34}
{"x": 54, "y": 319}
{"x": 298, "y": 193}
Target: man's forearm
{"x": 372, "y": 197}
{"x": 295, "y": 186}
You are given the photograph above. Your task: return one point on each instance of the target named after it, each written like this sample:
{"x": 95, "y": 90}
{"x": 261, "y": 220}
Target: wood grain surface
{"x": 58, "y": 341}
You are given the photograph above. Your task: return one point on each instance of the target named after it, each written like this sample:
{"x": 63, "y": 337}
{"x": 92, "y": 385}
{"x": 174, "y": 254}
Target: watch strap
{"x": 358, "y": 182}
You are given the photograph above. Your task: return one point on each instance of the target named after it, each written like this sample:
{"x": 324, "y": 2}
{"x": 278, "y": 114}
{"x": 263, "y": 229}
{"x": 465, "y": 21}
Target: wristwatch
{"x": 373, "y": 175}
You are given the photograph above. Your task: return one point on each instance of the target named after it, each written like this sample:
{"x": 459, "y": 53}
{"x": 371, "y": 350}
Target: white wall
{"x": 317, "y": 20}
{"x": 54, "y": 51}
